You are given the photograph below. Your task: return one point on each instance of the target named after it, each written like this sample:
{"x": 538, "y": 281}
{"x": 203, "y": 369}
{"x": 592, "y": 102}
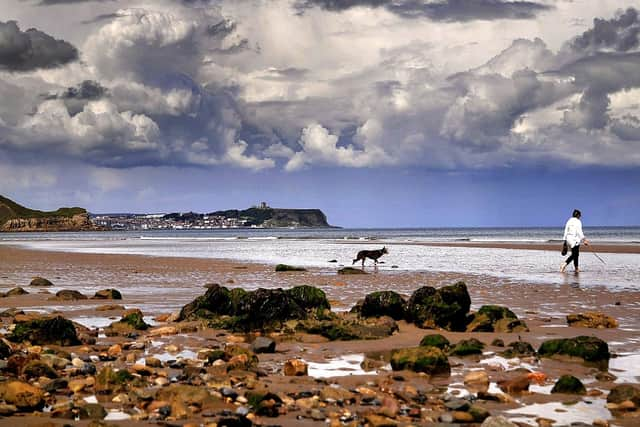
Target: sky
{"x": 382, "y": 113}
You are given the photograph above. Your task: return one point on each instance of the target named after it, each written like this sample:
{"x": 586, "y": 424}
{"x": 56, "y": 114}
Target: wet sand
{"x": 161, "y": 285}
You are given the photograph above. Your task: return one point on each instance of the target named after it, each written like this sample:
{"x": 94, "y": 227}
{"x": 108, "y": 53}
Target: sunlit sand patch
{"x": 584, "y": 411}
{"x": 340, "y": 366}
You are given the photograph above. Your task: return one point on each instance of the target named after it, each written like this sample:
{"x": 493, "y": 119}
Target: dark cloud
{"x": 620, "y": 34}
{"x": 447, "y": 10}
{"x": 53, "y": 2}
{"x": 88, "y": 89}
{"x": 221, "y": 29}
{"x": 32, "y": 49}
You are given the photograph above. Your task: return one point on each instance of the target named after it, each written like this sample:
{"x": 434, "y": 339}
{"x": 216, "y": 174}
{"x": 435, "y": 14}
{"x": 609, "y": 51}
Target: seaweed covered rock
{"x": 14, "y": 292}
{"x": 594, "y": 320}
{"x": 590, "y": 349}
{"x": 68, "y": 295}
{"x": 495, "y": 318}
{"x": 430, "y": 360}
{"x": 625, "y": 392}
{"x": 383, "y": 303}
{"x": 256, "y": 310}
{"x": 40, "y": 281}
{"x": 519, "y": 349}
{"x": 435, "y": 340}
{"x": 467, "y": 347}
{"x": 5, "y": 349}
{"x": 445, "y": 308}
{"x": 347, "y": 326}
{"x": 107, "y": 294}
{"x": 110, "y": 380}
{"x": 286, "y": 267}
{"x": 568, "y": 384}
{"x": 131, "y": 322}
{"x": 37, "y": 369}
{"x": 44, "y": 330}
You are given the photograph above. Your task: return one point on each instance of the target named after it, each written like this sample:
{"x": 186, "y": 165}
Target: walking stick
{"x": 597, "y": 256}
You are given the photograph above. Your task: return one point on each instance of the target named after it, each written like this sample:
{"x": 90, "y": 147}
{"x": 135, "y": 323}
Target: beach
{"x": 160, "y": 286}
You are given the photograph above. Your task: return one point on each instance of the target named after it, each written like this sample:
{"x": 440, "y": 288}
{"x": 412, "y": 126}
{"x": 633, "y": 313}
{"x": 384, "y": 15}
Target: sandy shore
{"x": 159, "y": 285}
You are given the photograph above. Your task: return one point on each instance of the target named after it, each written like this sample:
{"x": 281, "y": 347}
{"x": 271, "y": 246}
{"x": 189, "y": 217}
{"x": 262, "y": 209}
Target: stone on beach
{"x": 23, "y": 396}
{"x": 132, "y": 321}
{"x": 14, "y": 292}
{"x": 44, "y": 330}
{"x": 295, "y": 367}
{"x": 467, "y": 347}
{"x": 445, "y": 308}
{"x": 568, "y": 384}
{"x": 40, "y": 281}
{"x": 107, "y": 294}
{"x": 590, "y": 349}
{"x": 592, "y": 319}
{"x": 383, "y": 303}
{"x": 623, "y": 393}
{"x": 435, "y": 340}
{"x": 68, "y": 295}
{"x": 519, "y": 349}
{"x": 286, "y": 267}
{"x": 497, "y": 421}
{"x": 495, "y": 318}
{"x": 351, "y": 270}
{"x": 430, "y": 360}
{"x": 263, "y": 345}
{"x": 477, "y": 381}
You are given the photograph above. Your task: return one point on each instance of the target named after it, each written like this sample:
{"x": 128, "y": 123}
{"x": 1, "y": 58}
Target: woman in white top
{"x": 574, "y": 236}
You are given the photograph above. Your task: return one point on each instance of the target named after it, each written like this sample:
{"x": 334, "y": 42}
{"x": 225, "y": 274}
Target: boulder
{"x": 519, "y": 349}
{"x": 23, "y": 396}
{"x": 285, "y": 267}
{"x": 309, "y": 297}
{"x": 515, "y": 384}
{"x": 568, "y": 384}
{"x": 15, "y": 292}
{"x": 5, "y": 349}
{"x": 477, "y": 381}
{"x": 68, "y": 295}
{"x": 295, "y": 368}
{"x": 40, "y": 281}
{"x": 624, "y": 392}
{"x": 263, "y": 345}
{"x": 497, "y": 421}
{"x": 44, "y": 330}
{"x": 435, "y": 340}
{"x": 446, "y": 307}
{"x": 107, "y": 294}
{"x": 495, "y": 318}
{"x": 217, "y": 300}
{"x": 430, "y": 360}
{"x": 347, "y": 326}
{"x": 37, "y": 369}
{"x": 109, "y": 380}
{"x": 592, "y": 319}
{"x": 351, "y": 270}
{"x": 590, "y": 349}
{"x": 132, "y": 321}
{"x": 467, "y": 347}
{"x": 383, "y": 303}
{"x": 184, "y": 398}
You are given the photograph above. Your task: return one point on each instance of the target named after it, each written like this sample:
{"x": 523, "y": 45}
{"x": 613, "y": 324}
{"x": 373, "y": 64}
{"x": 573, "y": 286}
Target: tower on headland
{"x": 263, "y": 205}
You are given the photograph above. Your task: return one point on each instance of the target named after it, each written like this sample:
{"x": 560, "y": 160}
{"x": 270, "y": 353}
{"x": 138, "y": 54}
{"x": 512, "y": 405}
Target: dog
{"x": 374, "y": 255}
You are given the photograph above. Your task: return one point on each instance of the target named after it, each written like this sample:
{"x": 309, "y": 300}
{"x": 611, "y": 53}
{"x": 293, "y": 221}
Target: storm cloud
{"x": 32, "y": 49}
{"x": 448, "y": 10}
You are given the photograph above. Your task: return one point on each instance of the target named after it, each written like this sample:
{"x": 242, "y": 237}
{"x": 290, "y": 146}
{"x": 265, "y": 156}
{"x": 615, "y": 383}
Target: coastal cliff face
{"x": 15, "y": 217}
{"x": 78, "y": 222}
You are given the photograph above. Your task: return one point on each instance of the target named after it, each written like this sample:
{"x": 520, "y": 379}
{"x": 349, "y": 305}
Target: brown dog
{"x": 374, "y": 255}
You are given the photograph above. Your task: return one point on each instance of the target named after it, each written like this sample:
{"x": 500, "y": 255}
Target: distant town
{"x": 259, "y": 216}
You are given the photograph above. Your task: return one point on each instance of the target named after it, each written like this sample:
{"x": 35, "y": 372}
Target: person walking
{"x": 574, "y": 236}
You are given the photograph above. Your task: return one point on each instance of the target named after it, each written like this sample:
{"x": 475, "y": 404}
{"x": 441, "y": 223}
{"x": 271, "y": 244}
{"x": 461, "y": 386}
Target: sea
{"x": 409, "y": 250}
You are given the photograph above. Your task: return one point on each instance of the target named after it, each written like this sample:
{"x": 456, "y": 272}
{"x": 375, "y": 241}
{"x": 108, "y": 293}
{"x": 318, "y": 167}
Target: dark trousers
{"x": 575, "y": 253}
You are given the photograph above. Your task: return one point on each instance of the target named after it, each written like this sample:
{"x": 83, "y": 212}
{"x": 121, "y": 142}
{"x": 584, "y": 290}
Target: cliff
{"x": 275, "y": 217}
{"x": 15, "y": 217}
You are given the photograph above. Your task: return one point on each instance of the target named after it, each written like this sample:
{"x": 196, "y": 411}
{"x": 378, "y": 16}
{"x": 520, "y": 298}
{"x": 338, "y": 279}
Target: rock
{"x": 497, "y": 421}
{"x": 515, "y": 385}
{"x": 16, "y": 292}
{"x": 7, "y": 410}
{"x": 351, "y": 270}
{"x": 285, "y": 267}
{"x": 295, "y": 367}
{"x": 568, "y": 384}
{"x": 478, "y": 413}
{"x": 163, "y": 330}
{"x": 131, "y": 321}
{"x": 263, "y": 345}
{"x": 383, "y": 303}
{"x": 462, "y": 417}
{"x": 337, "y": 393}
{"x": 107, "y": 294}
{"x": 94, "y": 411}
{"x": 309, "y": 298}
{"x": 519, "y": 349}
{"x": 456, "y": 404}
{"x": 605, "y": 376}
{"x": 55, "y": 385}
{"x": 40, "y": 281}
{"x": 430, "y": 360}
{"x": 77, "y": 385}
{"x": 497, "y": 342}
{"x": 495, "y": 318}
{"x": 68, "y": 295}
{"x": 184, "y": 397}
{"x": 375, "y": 420}
{"x": 624, "y": 392}
{"x": 435, "y": 340}
{"x": 37, "y": 369}
{"x": 115, "y": 350}
{"x": 592, "y": 319}
{"x": 347, "y": 326}
{"x": 5, "y": 349}
{"x": 445, "y": 308}
{"x": 44, "y": 330}
{"x": 24, "y": 396}
{"x": 477, "y": 381}
{"x": 590, "y": 349}
{"x": 109, "y": 380}
{"x": 467, "y": 347}
{"x": 109, "y": 307}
